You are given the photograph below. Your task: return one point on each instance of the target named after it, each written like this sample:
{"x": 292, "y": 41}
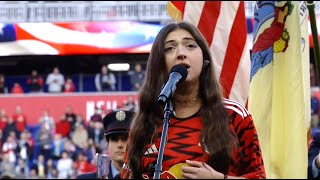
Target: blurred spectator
{"x": 55, "y": 81}
{"x": 35, "y": 82}
{"x": 10, "y": 146}
{"x": 58, "y": 146}
{"x": 105, "y": 80}
{"x": 315, "y": 110}
{"x": 40, "y": 166}
{"x": 70, "y": 116}
{"x": 3, "y": 87}
{"x": 70, "y": 148}
{"x": 6, "y": 166}
{"x": 22, "y": 169}
{"x": 96, "y": 132}
{"x": 79, "y": 121}
{"x": 24, "y": 149}
{"x": 91, "y": 151}
{"x": 74, "y": 171}
{"x": 63, "y": 127}
{"x": 17, "y": 89}
{"x": 53, "y": 174}
{"x": 34, "y": 173}
{"x": 48, "y": 121}
{"x": 10, "y": 128}
{"x": 129, "y": 104}
{"x": 31, "y": 144}
{"x": 82, "y": 164}
{"x": 136, "y": 77}
{"x": 3, "y": 119}
{"x": 20, "y": 119}
{"x": 44, "y": 139}
{"x": 51, "y": 171}
{"x": 96, "y": 117}
{"x": 105, "y": 110}
{"x": 8, "y": 175}
{"x": 80, "y": 137}
{"x": 69, "y": 86}
{"x": 64, "y": 166}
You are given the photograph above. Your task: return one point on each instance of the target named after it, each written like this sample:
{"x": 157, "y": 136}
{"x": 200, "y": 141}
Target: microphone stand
{"x": 168, "y": 110}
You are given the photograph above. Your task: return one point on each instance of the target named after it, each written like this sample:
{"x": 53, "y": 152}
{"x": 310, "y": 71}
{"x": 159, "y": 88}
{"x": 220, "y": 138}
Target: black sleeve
{"x": 312, "y": 153}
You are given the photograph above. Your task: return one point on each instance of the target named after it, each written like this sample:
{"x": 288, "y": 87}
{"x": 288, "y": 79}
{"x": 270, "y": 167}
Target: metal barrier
{"x": 67, "y": 11}
{"x": 83, "y": 11}
{"x": 13, "y": 13}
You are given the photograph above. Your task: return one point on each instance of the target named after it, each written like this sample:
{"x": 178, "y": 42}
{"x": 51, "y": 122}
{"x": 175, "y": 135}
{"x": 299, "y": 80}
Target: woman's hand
{"x": 200, "y": 170}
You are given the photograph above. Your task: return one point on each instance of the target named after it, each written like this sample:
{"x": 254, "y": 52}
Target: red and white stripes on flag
{"x": 223, "y": 24}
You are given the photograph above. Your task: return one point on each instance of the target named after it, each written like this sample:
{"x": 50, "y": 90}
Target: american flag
{"x": 67, "y": 38}
{"x": 223, "y": 24}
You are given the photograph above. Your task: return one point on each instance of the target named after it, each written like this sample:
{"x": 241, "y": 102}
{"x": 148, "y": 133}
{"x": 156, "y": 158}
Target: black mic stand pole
{"x": 168, "y": 110}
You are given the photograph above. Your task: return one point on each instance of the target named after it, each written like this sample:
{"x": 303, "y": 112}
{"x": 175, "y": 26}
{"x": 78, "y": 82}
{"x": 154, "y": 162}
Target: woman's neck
{"x": 186, "y": 109}
{"x": 186, "y": 101}
{"x": 186, "y": 93}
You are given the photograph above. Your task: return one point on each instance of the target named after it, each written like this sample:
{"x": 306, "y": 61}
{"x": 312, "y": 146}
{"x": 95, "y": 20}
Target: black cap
{"x": 117, "y": 122}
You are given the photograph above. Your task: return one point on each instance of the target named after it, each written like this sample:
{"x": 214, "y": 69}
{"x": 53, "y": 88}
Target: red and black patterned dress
{"x": 183, "y": 144}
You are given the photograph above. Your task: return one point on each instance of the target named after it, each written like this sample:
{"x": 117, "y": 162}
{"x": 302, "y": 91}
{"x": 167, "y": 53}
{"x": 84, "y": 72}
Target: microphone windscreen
{"x": 181, "y": 69}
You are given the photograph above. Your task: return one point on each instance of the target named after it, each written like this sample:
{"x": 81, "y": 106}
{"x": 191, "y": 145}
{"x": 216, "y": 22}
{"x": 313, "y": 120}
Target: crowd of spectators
{"x": 57, "y": 82}
{"x": 53, "y": 149}
{"x": 56, "y": 148}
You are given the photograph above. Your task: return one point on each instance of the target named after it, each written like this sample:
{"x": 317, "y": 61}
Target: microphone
{"x": 177, "y": 74}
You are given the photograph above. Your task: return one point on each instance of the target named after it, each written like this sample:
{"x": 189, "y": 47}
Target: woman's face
{"x": 181, "y": 48}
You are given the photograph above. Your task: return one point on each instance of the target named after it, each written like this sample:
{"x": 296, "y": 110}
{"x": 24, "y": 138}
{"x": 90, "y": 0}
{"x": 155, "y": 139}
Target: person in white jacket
{"x": 64, "y": 166}
{"x": 55, "y": 81}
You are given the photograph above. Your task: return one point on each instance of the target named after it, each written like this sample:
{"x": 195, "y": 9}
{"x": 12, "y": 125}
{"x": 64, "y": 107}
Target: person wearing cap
{"x": 116, "y": 125}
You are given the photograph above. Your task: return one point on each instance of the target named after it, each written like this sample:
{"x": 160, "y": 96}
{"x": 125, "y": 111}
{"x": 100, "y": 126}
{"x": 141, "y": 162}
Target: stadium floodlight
{"x": 119, "y": 67}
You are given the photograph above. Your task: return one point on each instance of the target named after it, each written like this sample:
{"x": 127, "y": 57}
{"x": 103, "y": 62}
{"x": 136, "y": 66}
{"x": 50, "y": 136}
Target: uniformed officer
{"x": 116, "y": 125}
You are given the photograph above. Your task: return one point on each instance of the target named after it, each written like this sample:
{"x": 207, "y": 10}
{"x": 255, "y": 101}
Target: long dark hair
{"x": 215, "y": 136}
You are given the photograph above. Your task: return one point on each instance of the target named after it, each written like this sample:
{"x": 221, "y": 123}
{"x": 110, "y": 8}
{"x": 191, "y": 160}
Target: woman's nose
{"x": 181, "y": 57}
{"x": 181, "y": 53}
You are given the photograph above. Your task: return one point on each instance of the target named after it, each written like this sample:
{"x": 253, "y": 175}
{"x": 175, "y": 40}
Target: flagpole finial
{"x": 310, "y": 3}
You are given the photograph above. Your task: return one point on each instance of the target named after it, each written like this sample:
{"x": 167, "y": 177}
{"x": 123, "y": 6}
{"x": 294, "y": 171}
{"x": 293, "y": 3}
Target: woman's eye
{"x": 191, "y": 46}
{"x": 168, "y": 49}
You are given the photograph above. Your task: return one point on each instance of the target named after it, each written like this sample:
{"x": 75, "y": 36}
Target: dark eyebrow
{"x": 187, "y": 38}
{"x": 172, "y": 41}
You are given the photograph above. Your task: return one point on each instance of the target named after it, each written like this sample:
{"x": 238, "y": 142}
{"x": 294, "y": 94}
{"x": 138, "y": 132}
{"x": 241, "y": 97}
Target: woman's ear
{"x": 205, "y": 63}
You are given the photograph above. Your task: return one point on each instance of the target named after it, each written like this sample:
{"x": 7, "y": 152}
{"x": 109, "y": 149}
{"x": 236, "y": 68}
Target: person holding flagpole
{"x": 209, "y": 136}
